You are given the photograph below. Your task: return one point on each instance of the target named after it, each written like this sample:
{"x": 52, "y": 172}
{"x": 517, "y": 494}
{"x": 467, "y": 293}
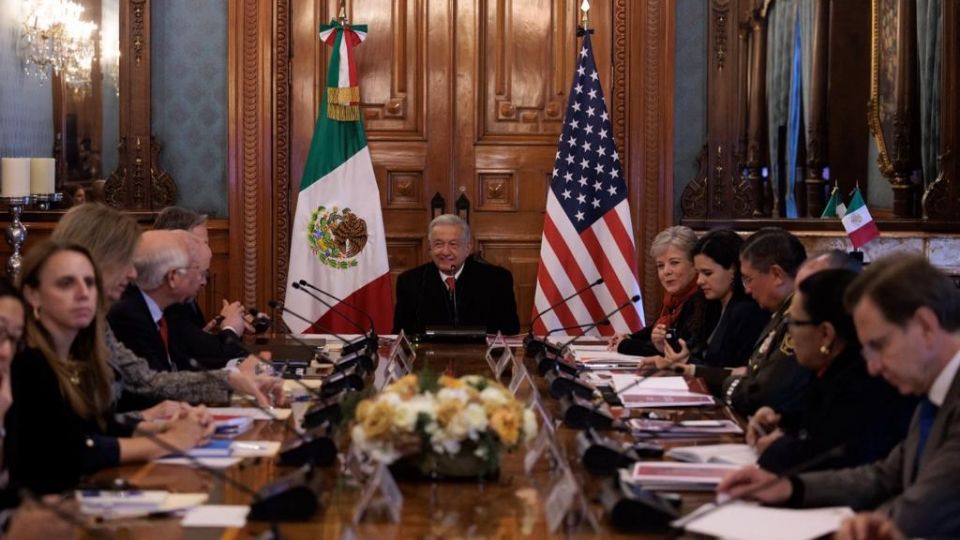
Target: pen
{"x": 758, "y": 429}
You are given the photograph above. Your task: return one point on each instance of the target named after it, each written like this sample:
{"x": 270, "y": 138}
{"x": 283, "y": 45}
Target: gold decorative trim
{"x": 873, "y": 105}
{"x": 250, "y": 148}
{"x": 282, "y": 180}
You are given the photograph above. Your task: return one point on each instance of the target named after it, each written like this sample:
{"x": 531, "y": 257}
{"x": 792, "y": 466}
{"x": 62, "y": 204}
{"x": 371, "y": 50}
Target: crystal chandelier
{"x": 53, "y": 39}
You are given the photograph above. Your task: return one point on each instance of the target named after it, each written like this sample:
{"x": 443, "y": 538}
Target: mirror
{"x": 86, "y": 117}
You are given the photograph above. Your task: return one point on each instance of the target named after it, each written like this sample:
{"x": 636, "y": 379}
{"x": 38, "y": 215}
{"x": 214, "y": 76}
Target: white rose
{"x": 453, "y": 394}
{"x": 476, "y": 418}
{"x": 529, "y": 425}
{"x": 405, "y": 416}
{"x": 493, "y": 396}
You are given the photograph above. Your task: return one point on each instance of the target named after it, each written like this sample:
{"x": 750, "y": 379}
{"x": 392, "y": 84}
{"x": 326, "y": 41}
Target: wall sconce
{"x": 462, "y": 207}
{"x": 438, "y": 205}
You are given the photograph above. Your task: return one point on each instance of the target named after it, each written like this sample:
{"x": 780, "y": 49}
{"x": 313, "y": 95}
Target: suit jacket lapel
{"x": 945, "y": 416}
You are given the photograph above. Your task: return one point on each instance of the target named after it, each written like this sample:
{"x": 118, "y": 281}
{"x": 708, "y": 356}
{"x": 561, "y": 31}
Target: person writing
{"x": 843, "y": 403}
{"x": 907, "y": 316}
{"x": 61, "y": 425}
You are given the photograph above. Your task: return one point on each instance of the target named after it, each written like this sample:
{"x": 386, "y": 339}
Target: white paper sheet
{"x": 216, "y": 515}
{"x": 622, "y": 380}
{"x": 744, "y": 521}
{"x": 244, "y": 449}
{"x": 210, "y": 462}
{"x": 256, "y": 414}
{"x": 735, "y": 454}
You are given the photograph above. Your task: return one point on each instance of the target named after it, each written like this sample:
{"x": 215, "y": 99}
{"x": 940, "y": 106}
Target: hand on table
{"x": 868, "y": 526}
{"x": 615, "y": 341}
{"x": 761, "y": 424}
{"x": 658, "y": 336}
{"x": 743, "y": 481}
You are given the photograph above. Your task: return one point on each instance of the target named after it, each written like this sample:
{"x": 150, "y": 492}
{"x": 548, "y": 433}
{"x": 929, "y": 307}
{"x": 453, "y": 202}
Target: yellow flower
{"x": 363, "y": 410}
{"x": 405, "y": 387}
{"x": 446, "y": 410}
{"x": 506, "y": 424}
{"x": 450, "y": 382}
{"x": 379, "y": 420}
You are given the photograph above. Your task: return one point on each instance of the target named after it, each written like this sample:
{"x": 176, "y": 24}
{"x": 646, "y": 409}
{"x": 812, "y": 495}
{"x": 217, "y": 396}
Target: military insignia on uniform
{"x": 765, "y": 346}
{"x": 336, "y": 237}
{"x": 786, "y": 346}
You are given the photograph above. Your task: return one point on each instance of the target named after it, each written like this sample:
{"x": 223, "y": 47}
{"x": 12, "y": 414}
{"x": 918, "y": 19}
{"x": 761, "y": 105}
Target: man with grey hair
{"x": 454, "y": 289}
{"x": 167, "y": 273}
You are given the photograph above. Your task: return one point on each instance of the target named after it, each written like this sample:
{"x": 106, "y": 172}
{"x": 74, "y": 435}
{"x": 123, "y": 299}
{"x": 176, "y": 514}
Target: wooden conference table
{"x": 508, "y": 508}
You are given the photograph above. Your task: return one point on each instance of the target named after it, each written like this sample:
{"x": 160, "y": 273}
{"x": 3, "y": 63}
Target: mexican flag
{"x": 338, "y": 242}
{"x": 858, "y": 223}
{"x": 835, "y": 207}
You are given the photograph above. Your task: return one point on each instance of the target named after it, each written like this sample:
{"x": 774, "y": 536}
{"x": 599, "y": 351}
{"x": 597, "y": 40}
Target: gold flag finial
{"x": 343, "y": 12}
{"x": 585, "y": 8}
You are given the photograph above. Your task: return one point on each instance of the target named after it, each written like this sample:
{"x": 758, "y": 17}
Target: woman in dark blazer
{"x": 61, "y": 425}
{"x": 843, "y": 404}
{"x": 717, "y": 262}
{"x": 684, "y": 306}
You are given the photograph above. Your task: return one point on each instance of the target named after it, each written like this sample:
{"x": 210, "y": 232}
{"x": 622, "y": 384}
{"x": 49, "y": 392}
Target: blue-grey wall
{"x": 189, "y": 54}
{"x": 26, "y": 103}
{"x": 690, "y": 94}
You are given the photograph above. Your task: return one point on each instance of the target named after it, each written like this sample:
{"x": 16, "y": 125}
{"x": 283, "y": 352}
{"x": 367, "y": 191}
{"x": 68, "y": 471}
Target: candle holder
{"x": 16, "y": 233}
{"x": 42, "y": 201}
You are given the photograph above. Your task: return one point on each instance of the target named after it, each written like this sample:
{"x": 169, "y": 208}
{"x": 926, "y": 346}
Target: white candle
{"x": 16, "y": 177}
{"x": 43, "y": 172}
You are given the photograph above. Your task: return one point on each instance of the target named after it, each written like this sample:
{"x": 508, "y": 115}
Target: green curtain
{"x": 929, "y": 30}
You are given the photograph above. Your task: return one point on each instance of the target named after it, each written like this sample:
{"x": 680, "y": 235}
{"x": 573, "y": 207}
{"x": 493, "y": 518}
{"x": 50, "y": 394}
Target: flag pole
{"x": 585, "y": 19}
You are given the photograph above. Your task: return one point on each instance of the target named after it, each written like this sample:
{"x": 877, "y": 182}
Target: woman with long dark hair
{"x": 62, "y": 424}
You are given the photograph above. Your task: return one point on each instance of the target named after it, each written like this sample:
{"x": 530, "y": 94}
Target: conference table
{"x": 510, "y": 506}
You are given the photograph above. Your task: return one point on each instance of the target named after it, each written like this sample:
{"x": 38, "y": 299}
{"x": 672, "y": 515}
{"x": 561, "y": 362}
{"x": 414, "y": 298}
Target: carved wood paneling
{"x": 454, "y": 140}
{"x": 392, "y": 62}
{"x": 404, "y": 189}
{"x": 523, "y": 67}
{"x": 649, "y": 138}
{"x": 498, "y": 191}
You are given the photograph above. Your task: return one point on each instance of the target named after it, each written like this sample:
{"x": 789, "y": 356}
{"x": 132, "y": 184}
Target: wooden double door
{"x": 458, "y": 98}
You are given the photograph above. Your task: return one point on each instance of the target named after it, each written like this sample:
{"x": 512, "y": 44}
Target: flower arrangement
{"x": 470, "y": 417}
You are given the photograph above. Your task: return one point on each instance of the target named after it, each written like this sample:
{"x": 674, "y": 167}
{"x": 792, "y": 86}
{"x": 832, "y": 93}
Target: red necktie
{"x": 164, "y": 334}
{"x": 451, "y": 285}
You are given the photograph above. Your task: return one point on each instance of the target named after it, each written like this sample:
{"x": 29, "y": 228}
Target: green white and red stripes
{"x": 343, "y": 83}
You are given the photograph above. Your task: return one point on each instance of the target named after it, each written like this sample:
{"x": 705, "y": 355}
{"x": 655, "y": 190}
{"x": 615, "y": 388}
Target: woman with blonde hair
{"x": 685, "y": 309}
{"x": 61, "y": 425}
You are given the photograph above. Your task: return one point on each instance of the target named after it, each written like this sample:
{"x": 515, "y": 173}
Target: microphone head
{"x": 274, "y": 304}
{"x": 599, "y": 281}
{"x": 636, "y": 298}
{"x": 296, "y": 285}
{"x": 302, "y": 283}
{"x": 605, "y": 322}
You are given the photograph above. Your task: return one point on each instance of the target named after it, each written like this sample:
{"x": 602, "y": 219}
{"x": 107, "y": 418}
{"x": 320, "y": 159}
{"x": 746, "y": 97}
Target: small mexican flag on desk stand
{"x": 857, "y": 221}
{"x": 338, "y": 241}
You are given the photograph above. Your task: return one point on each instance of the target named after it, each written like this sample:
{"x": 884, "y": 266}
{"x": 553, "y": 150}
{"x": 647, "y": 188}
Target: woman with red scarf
{"x": 684, "y": 306}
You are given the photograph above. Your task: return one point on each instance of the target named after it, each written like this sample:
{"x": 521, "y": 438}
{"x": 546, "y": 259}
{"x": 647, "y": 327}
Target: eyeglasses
{"x": 205, "y": 274}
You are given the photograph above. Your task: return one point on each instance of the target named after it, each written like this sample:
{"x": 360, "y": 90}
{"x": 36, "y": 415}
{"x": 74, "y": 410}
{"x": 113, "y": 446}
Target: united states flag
{"x": 587, "y": 233}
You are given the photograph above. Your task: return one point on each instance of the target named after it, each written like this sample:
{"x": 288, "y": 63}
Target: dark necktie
{"x": 164, "y": 334}
{"x": 928, "y": 412}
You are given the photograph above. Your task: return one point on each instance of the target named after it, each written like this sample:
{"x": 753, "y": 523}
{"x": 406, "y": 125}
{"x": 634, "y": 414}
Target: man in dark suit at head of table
{"x": 455, "y": 289}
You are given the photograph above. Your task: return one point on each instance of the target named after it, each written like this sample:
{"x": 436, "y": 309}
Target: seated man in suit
{"x": 211, "y": 343}
{"x": 168, "y": 272}
{"x": 454, "y": 289}
{"x": 907, "y": 316}
{"x": 769, "y": 261}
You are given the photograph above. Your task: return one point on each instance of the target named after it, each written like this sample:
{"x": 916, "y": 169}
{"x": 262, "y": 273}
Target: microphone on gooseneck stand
{"x": 363, "y": 343}
{"x": 533, "y": 345}
{"x": 373, "y": 327}
{"x": 549, "y": 358}
{"x": 370, "y": 338}
{"x": 349, "y": 359}
{"x": 453, "y": 296}
{"x": 621, "y": 307}
{"x": 288, "y": 498}
{"x": 311, "y": 449}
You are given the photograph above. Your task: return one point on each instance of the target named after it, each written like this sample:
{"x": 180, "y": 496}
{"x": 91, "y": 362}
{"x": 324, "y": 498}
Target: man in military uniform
{"x": 769, "y": 261}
